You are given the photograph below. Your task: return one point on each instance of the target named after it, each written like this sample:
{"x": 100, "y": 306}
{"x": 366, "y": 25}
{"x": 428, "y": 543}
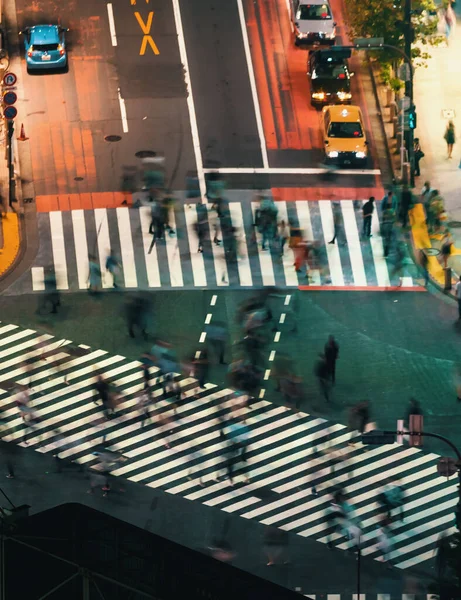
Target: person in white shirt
{"x": 458, "y": 296}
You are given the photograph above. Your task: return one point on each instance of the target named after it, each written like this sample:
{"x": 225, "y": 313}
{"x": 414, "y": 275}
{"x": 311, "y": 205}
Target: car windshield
{"x": 44, "y": 47}
{"x": 313, "y": 12}
{"x": 345, "y": 130}
{"x": 326, "y": 71}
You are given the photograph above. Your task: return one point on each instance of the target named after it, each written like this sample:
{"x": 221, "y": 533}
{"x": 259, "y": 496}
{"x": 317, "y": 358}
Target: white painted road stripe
{"x": 353, "y": 242}
{"x": 150, "y": 251}
{"x": 196, "y": 258}
{"x": 243, "y": 263}
{"x": 59, "y": 250}
{"x": 126, "y": 247}
{"x": 110, "y": 14}
{"x": 334, "y": 259}
{"x": 81, "y": 247}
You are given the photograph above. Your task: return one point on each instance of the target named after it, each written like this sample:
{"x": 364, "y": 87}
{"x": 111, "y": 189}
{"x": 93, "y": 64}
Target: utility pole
{"x": 408, "y": 36}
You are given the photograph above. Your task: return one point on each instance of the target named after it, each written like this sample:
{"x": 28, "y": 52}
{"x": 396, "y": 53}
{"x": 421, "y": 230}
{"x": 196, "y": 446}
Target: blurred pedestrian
{"x": 418, "y": 154}
{"x": 283, "y": 234}
{"x": 446, "y": 247}
{"x": 94, "y": 276}
{"x": 406, "y": 200}
{"x": 331, "y": 352}
{"x": 367, "y": 213}
{"x": 201, "y": 227}
{"x": 322, "y": 372}
{"x": 216, "y": 336}
{"x": 238, "y": 436}
{"x": 201, "y": 367}
{"x": 338, "y": 226}
{"x": 52, "y": 295}
{"x": 389, "y": 202}
{"x": 276, "y": 546}
{"x": 450, "y": 138}
{"x": 102, "y": 389}
{"x": 387, "y": 229}
{"x": 359, "y": 417}
{"x": 113, "y": 267}
{"x": 391, "y": 499}
{"x": 413, "y": 408}
{"x": 385, "y": 542}
{"x": 399, "y": 263}
{"x": 426, "y": 191}
{"x": 136, "y": 315}
{"x": 424, "y": 262}
{"x": 458, "y": 296}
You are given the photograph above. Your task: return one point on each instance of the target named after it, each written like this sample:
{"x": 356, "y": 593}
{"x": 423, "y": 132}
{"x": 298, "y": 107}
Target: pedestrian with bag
{"x": 418, "y": 154}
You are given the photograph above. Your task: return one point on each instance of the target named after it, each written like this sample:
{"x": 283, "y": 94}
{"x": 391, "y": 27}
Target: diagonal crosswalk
{"x": 288, "y": 453}
{"x": 67, "y": 239}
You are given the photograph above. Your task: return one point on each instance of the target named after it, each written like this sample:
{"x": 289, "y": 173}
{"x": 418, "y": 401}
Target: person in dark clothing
{"x": 387, "y": 230}
{"x": 216, "y": 335}
{"x": 331, "y": 356}
{"x": 102, "y": 389}
{"x": 405, "y": 204}
{"x": 367, "y": 212}
{"x": 362, "y": 413}
{"x": 201, "y": 367}
{"x": 322, "y": 372}
{"x": 418, "y": 154}
{"x": 136, "y": 313}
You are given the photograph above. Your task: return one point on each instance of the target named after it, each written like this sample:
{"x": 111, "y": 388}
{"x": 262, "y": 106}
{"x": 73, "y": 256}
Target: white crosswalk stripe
{"x": 288, "y": 453}
{"x": 69, "y": 238}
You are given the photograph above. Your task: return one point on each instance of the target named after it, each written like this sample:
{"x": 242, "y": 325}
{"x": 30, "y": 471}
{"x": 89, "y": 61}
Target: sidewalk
{"x": 437, "y": 96}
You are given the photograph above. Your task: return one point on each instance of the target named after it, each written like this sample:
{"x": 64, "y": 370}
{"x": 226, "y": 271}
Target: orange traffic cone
{"x": 22, "y": 137}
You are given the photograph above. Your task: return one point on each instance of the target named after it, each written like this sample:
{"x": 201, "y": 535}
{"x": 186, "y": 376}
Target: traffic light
{"x": 377, "y": 438}
{"x": 412, "y": 118}
{"x": 416, "y": 429}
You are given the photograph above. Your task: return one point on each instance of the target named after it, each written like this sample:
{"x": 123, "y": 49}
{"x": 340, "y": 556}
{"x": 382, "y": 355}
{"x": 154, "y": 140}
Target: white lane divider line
{"x": 110, "y": 13}
{"x": 208, "y": 318}
{"x": 254, "y": 91}
{"x": 190, "y": 99}
{"x": 213, "y": 300}
{"x": 121, "y": 101}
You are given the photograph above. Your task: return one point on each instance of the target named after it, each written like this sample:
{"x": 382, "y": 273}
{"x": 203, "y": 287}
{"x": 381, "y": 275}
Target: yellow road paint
{"x": 9, "y": 252}
{"x": 145, "y": 28}
{"x": 133, "y": 2}
{"x": 422, "y": 240}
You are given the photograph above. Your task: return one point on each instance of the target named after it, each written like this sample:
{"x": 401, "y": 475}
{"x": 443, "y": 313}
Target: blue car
{"x": 45, "y": 47}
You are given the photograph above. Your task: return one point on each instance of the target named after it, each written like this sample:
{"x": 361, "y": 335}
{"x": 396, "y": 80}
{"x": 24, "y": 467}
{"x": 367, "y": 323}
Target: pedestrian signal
{"x": 412, "y": 118}
{"x": 416, "y": 430}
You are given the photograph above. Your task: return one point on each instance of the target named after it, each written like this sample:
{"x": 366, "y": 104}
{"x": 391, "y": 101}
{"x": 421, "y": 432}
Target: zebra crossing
{"x": 67, "y": 239}
{"x": 288, "y": 453}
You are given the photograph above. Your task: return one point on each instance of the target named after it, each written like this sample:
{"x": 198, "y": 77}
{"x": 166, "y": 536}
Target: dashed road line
{"x": 110, "y": 14}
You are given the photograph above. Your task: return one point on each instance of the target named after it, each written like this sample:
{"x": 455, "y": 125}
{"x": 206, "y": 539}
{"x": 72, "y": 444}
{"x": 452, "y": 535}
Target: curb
{"x": 392, "y": 160}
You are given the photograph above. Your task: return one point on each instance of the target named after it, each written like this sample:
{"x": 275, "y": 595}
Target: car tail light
{"x": 61, "y": 49}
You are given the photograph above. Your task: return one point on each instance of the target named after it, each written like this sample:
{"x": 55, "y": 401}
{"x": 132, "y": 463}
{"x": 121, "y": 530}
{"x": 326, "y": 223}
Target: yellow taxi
{"x": 344, "y": 135}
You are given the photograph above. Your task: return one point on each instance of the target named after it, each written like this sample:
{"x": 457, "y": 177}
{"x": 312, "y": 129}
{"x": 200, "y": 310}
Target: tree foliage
{"x": 385, "y": 19}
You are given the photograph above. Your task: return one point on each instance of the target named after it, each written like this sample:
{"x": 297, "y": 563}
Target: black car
{"x": 330, "y": 77}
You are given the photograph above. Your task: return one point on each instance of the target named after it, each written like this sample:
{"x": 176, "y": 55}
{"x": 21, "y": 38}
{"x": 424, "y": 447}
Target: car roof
{"x": 350, "y": 113}
{"x": 45, "y": 34}
{"x": 304, "y": 2}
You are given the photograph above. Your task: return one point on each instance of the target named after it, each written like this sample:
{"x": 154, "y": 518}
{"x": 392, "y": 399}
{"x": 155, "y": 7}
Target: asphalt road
{"x": 68, "y": 115}
{"x": 221, "y": 85}
{"x": 381, "y": 358}
{"x": 392, "y": 345}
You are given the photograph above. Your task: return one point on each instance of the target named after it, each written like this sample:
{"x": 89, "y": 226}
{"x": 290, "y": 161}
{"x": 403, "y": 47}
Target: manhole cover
{"x": 146, "y": 154}
{"x": 431, "y": 251}
{"x": 113, "y": 138}
{"x": 78, "y": 178}
{"x": 454, "y": 224}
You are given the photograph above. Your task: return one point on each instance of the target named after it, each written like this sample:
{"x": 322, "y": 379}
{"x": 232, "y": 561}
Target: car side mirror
{"x": 334, "y": 24}
{"x": 308, "y": 73}
{"x": 326, "y": 142}
{"x": 366, "y": 143}
{"x": 296, "y": 24}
